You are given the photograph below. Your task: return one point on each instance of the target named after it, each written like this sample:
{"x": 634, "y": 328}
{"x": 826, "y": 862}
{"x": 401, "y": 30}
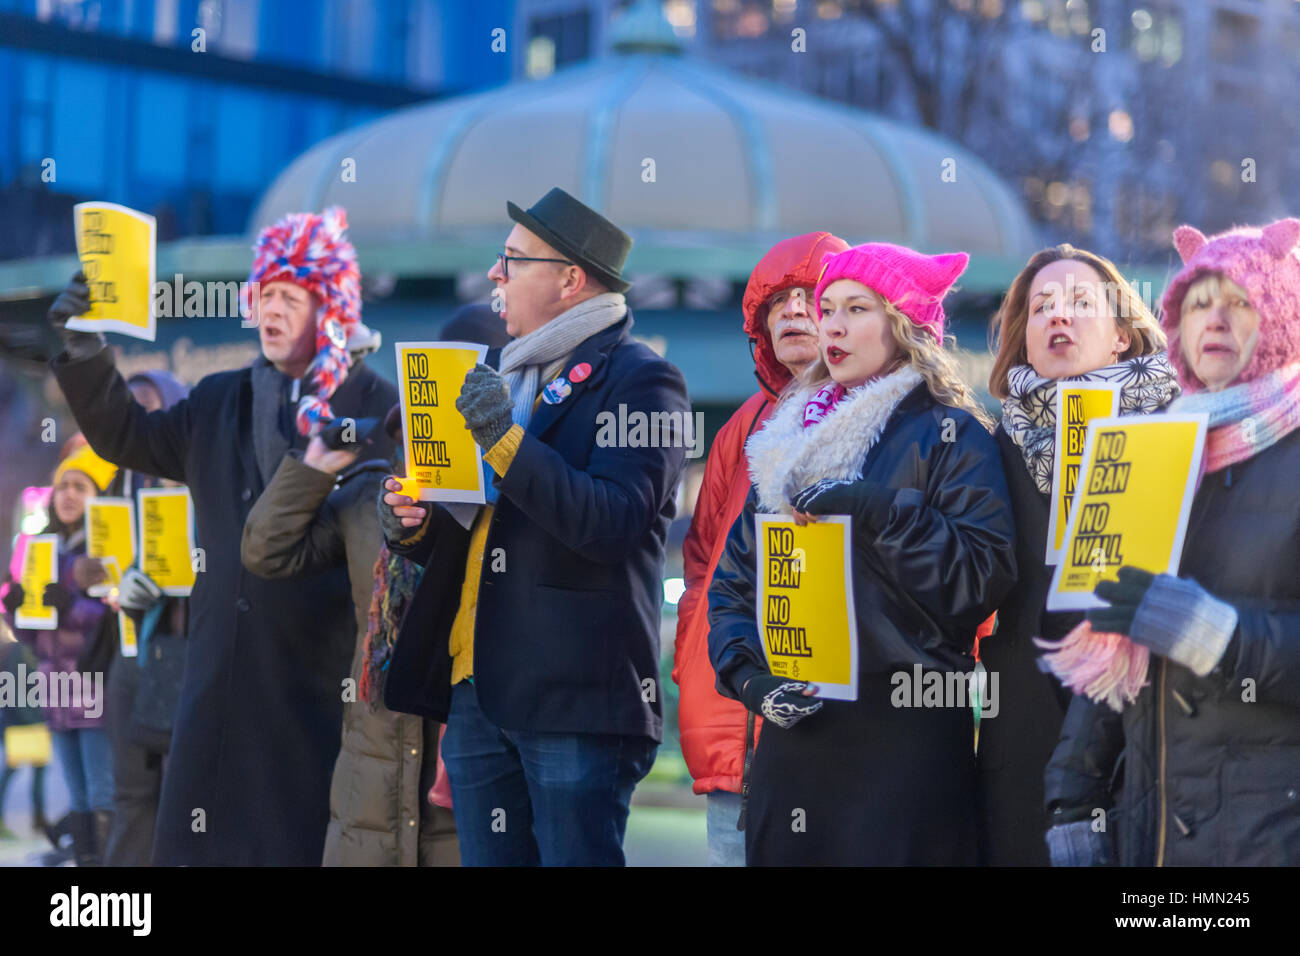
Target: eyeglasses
{"x": 505, "y": 261}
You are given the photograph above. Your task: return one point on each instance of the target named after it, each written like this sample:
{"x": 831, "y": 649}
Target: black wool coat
{"x": 1210, "y": 771}
{"x": 1016, "y": 745}
{"x": 566, "y": 638}
{"x": 257, "y": 730}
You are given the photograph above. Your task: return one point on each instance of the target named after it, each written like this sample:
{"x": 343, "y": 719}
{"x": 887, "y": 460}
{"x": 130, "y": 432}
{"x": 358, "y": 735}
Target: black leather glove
{"x": 13, "y": 598}
{"x": 778, "y": 700}
{"x": 58, "y": 597}
{"x": 137, "y": 592}
{"x": 866, "y": 501}
{"x": 484, "y": 400}
{"x": 74, "y": 300}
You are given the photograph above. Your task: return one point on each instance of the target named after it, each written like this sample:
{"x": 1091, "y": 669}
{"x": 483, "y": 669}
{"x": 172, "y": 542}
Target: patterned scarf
{"x": 1247, "y": 418}
{"x": 395, "y": 582}
{"x": 1147, "y": 384}
{"x": 821, "y": 404}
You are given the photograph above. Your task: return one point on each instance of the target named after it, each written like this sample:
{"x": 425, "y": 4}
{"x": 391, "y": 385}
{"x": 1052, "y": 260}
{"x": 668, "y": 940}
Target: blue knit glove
{"x": 1078, "y": 844}
{"x": 1174, "y": 617}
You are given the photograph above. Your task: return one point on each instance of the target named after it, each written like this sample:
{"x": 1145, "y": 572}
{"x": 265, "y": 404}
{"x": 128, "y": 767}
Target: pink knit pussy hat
{"x": 914, "y": 283}
{"x": 1264, "y": 262}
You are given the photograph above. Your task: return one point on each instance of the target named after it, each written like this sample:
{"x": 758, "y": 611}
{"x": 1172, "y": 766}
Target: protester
{"x": 143, "y": 691}
{"x": 257, "y": 731}
{"x": 77, "y": 722}
{"x": 318, "y": 512}
{"x": 862, "y": 432}
{"x": 717, "y": 734}
{"x": 534, "y": 632}
{"x": 1211, "y": 743}
{"x": 16, "y": 661}
{"x": 1068, "y": 316}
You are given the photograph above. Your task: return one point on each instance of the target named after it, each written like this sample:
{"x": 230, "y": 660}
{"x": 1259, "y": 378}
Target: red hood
{"x": 791, "y": 262}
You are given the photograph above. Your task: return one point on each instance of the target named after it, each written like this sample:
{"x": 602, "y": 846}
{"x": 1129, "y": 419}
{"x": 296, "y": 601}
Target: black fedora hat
{"x": 579, "y": 232}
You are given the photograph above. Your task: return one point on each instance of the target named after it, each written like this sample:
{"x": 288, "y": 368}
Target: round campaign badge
{"x": 556, "y": 392}
{"x": 579, "y": 372}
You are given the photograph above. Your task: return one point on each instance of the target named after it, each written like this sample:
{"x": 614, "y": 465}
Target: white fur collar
{"x": 784, "y": 457}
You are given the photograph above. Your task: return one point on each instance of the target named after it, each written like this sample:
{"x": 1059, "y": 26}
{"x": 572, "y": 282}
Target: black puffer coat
{"x": 879, "y": 784}
{"x": 1211, "y": 766}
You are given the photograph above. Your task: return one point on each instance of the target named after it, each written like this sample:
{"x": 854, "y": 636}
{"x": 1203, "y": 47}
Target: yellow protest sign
{"x": 126, "y": 632}
{"x": 1131, "y": 505}
{"x": 805, "y": 602}
{"x": 1076, "y": 405}
{"x": 27, "y": 745}
{"x": 110, "y": 534}
{"x": 117, "y": 247}
{"x": 442, "y": 460}
{"x": 40, "y": 567}
{"x": 167, "y": 538}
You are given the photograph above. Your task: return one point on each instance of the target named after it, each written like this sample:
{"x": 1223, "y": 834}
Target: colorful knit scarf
{"x": 395, "y": 582}
{"x": 1147, "y": 384}
{"x": 1245, "y": 419}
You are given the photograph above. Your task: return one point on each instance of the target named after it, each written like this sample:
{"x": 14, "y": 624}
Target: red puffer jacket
{"x": 712, "y": 726}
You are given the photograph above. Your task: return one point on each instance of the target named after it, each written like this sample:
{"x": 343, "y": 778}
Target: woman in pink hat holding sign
{"x": 880, "y": 428}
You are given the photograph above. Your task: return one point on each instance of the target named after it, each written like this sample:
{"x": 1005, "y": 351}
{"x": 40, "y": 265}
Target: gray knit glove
{"x": 1078, "y": 844}
{"x": 1175, "y": 617}
{"x": 72, "y": 301}
{"x": 484, "y": 400}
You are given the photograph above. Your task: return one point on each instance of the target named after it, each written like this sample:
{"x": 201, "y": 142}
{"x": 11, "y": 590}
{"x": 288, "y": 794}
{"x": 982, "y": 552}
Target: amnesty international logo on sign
{"x": 805, "y": 602}
{"x": 167, "y": 538}
{"x": 442, "y": 461}
{"x": 1131, "y": 505}
{"x": 117, "y": 248}
{"x": 1076, "y": 405}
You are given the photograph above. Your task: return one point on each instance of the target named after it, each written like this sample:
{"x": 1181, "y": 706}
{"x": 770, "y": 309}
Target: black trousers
{"x": 137, "y": 774}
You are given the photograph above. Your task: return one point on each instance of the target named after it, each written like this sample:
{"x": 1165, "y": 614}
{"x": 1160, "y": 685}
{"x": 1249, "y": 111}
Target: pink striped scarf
{"x": 1245, "y": 419}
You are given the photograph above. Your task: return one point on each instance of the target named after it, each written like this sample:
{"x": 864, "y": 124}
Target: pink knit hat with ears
{"x": 1265, "y": 263}
{"x": 915, "y": 284}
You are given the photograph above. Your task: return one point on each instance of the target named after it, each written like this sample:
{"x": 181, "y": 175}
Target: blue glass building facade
{"x": 188, "y": 108}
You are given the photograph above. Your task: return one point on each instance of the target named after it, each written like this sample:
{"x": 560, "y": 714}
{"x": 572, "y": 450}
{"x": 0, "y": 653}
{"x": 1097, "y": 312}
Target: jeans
{"x": 86, "y": 760}
{"x": 726, "y": 843}
{"x": 524, "y": 798}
